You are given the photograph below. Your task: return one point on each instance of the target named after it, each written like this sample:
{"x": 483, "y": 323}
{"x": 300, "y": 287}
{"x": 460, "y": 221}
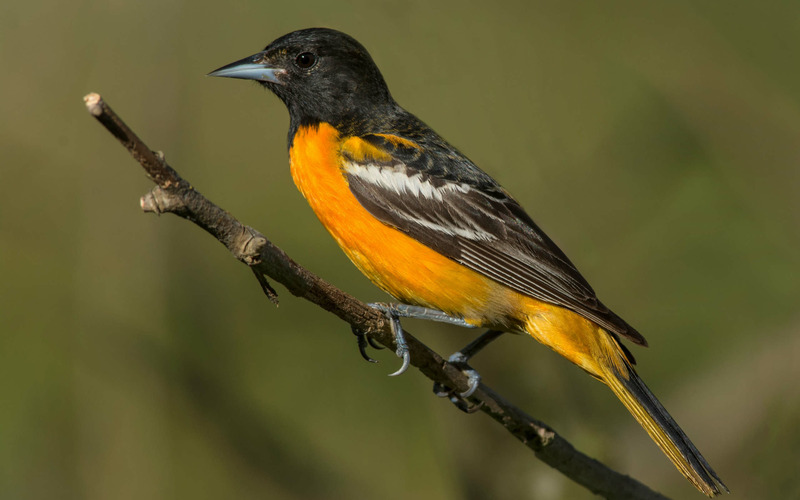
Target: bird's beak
{"x": 254, "y": 67}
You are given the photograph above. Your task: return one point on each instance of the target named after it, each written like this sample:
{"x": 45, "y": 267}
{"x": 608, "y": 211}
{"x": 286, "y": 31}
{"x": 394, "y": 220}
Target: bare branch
{"x": 173, "y": 194}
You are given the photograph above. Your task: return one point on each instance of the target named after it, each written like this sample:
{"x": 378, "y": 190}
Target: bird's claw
{"x": 365, "y": 340}
{"x": 375, "y": 345}
{"x": 473, "y": 378}
{"x": 460, "y": 360}
{"x": 400, "y": 341}
{"x": 459, "y": 400}
{"x": 402, "y": 352}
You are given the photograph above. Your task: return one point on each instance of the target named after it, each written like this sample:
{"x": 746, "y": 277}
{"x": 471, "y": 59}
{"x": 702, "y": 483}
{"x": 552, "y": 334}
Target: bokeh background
{"x": 656, "y": 142}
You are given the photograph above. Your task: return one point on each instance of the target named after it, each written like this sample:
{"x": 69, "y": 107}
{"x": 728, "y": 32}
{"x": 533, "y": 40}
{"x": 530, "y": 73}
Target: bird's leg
{"x": 394, "y": 312}
{"x": 409, "y": 311}
{"x": 460, "y": 360}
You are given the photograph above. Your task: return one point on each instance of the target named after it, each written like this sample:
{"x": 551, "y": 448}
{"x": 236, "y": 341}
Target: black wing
{"x": 441, "y": 199}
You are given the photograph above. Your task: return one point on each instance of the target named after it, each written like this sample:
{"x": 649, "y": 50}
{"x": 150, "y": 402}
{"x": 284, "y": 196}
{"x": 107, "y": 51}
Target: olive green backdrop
{"x": 657, "y": 143}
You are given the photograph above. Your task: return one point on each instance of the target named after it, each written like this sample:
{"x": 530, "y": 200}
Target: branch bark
{"x": 173, "y": 194}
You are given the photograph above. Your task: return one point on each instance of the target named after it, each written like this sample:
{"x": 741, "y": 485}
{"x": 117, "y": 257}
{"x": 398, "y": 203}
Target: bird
{"x": 434, "y": 231}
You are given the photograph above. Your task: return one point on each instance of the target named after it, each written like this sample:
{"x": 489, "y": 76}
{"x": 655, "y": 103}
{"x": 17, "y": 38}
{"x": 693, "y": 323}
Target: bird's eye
{"x": 305, "y": 60}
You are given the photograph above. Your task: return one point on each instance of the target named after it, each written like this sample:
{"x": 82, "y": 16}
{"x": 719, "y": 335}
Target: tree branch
{"x": 173, "y": 194}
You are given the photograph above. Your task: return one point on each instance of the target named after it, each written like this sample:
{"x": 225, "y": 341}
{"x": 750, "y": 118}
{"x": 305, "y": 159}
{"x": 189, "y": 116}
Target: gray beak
{"x": 251, "y": 68}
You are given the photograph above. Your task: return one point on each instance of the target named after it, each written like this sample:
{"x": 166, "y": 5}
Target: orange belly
{"x": 400, "y": 265}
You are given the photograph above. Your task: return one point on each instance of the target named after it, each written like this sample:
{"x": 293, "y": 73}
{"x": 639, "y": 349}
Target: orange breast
{"x": 400, "y": 265}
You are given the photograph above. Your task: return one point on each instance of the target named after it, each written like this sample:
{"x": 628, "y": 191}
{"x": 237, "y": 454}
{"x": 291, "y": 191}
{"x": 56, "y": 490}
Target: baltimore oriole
{"x": 426, "y": 225}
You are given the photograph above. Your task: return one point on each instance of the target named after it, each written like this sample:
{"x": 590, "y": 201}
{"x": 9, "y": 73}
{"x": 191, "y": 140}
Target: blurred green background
{"x": 656, "y": 142}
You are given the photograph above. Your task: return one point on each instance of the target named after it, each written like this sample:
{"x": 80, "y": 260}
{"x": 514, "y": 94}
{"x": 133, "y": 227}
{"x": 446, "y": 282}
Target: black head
{"x": 320, "y": 74}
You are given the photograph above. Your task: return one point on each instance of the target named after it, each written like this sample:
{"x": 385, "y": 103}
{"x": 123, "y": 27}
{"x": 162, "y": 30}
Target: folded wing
{"x": 464, "y": 214}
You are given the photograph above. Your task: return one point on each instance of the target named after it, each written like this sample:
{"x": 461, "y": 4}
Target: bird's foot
{"x": 364, "y": 340}
{"x": 460, "y": 359}
{"x": 418, "y": 312}
{"x": 460, "y": 399}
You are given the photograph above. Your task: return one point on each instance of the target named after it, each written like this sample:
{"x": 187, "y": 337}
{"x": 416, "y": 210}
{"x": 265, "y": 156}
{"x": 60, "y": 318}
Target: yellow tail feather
{"x": 661, "y": 427}
{"x": 600, "y": 354}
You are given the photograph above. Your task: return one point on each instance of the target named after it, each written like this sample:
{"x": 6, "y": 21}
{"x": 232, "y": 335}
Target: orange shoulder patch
{"x": 359, "y": 150}
{"x": 399, "y": 141}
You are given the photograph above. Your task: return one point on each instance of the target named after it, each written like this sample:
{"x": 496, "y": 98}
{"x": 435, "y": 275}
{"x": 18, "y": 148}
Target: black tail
{"x": 649, "y": 412}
